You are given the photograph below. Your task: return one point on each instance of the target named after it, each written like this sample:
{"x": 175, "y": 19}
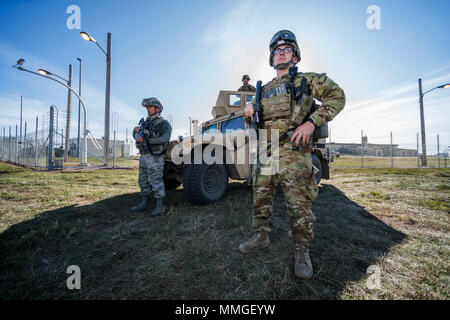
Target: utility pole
{"x": 69, "y": 102}
{"x": 422, "y": 126}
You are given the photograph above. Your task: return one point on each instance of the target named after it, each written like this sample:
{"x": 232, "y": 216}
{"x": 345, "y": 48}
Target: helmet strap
{"x": 284, "y": 65}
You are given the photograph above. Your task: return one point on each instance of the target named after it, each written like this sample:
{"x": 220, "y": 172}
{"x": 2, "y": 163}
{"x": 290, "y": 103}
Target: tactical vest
{"x": 281, "y": 112}
{"x": 154, "y": 149}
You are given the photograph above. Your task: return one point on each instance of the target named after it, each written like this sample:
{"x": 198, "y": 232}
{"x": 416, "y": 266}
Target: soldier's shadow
{"x": 110, "y": 244}
{"x": 348, "y": 239}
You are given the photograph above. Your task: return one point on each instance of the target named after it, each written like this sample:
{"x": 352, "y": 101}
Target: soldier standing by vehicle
{"x": 152, "y": 138}
{"x": 288, "y": 104}
{"x": 246, "y": 86}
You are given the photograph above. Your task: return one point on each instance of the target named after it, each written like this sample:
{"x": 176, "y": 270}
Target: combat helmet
{"x": 245, "y": 76}
{"x": 280, "y": 38}
{"x": 153, "y": 101}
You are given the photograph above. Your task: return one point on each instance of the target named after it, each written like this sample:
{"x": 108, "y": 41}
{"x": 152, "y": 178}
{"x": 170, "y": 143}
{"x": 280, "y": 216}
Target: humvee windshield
{"x": 235, "y": 100}
{"x": 211, "y": 129}
{"x": 233, "y": 125}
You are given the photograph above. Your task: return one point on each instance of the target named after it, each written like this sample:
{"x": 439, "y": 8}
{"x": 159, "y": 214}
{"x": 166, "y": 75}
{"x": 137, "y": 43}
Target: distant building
{"x": 122, "y": 148}
{"x": 371, "y": 149}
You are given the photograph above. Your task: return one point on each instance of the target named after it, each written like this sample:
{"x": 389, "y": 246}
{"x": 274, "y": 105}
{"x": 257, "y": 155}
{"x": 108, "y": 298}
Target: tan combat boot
{"x": 303, "y": 266}
{"x": 258, "y": 241}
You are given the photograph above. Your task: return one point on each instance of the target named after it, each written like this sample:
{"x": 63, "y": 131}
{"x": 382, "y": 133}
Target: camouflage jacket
{"x": 281, "y": 112}
{"x": 248, "y": 87}
{"x": 157, "y": 135}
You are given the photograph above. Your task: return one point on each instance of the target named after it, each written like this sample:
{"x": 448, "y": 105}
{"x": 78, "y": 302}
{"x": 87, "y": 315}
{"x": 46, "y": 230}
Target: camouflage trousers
{"x": 151, "y": 172}
{"x": 296, "y": 177}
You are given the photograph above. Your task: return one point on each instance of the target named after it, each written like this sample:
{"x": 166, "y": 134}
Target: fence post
{"x": 392, "y": 153}
{"x": 362, "y": 151}
{"x": 418, "y": 158}
{"x": 439, "y": 159}
{"x": 9, "y": 147}
{"x": 16, "y": 158}
{"x": 3, "y": 142}
{"x": 50, "y": 140}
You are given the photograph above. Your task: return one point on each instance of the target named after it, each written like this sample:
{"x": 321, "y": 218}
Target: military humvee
{"x": 204, "y": 183}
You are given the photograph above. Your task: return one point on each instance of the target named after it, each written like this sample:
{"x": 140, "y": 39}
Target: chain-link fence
{"x": 29, "y": 148}
{"x": 387, "y": 155}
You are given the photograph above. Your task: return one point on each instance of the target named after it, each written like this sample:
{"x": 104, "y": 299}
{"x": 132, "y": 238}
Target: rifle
{"x": 257, "y": 120}
{"x": 141, "y": 132}
{"x": 257, "y": 108}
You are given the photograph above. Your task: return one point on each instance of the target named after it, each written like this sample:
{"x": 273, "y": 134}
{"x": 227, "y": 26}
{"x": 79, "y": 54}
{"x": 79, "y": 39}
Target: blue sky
{"x": 186, "y": 51}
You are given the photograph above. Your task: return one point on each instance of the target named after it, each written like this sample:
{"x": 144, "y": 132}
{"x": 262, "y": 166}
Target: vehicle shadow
{"x": 189, "y": 253}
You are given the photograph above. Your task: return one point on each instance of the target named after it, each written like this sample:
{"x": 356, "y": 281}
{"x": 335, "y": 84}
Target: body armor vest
{"x": 279, "y": 109}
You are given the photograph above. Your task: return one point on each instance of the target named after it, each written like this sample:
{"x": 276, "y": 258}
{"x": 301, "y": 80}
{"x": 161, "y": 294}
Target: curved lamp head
{"x": 44, "y": 72}
{"x": 445, "y": 86}
{"x": 86, "y": 36}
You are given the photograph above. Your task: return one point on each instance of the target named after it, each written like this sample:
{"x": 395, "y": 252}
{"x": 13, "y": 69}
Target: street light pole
{"x": 69, "y": 105}
{"x": 79, "y": 109}
{"x": 87, "y": 37}
{"x": 107, "y": 97}
{"x": 422, "y": 126}
{"x": 85, "y": 133}
{"x": 422, "y": 120}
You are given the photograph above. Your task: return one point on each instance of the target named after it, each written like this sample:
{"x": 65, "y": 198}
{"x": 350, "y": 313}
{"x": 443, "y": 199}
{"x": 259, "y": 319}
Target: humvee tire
{"x": 205, "y": 183}
{"x": 318, "y": 164}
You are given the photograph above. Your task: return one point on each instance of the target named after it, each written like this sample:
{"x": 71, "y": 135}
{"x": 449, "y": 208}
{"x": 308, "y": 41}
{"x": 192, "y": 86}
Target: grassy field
{"x": 385, "y": 162}
{"x": 395, "y": 219}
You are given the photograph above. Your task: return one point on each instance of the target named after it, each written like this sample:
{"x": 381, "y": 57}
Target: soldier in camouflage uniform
{"x": 246, "y": 86}
{"x": 295, "y": 173}
{"x": 152, "y": 143}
